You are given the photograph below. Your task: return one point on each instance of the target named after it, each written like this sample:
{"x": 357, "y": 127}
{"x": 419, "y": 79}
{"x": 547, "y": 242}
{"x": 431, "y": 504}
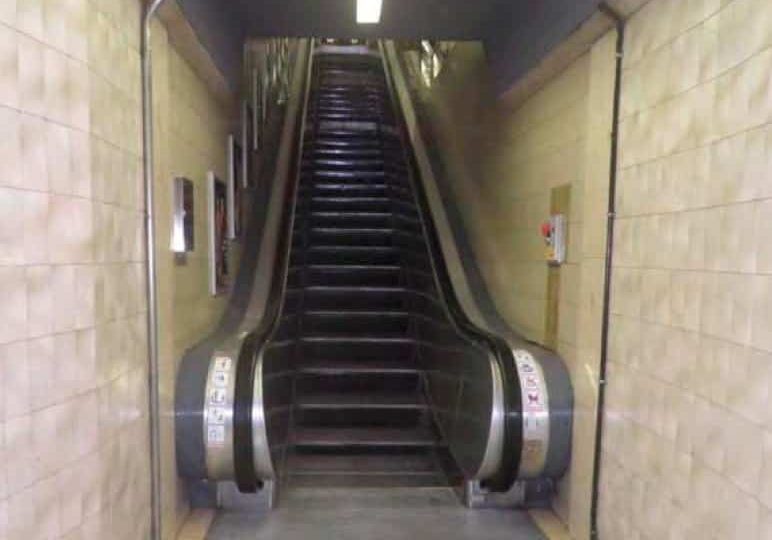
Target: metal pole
{"x": 619, "y": 23}
{"x": 151, "y": 275}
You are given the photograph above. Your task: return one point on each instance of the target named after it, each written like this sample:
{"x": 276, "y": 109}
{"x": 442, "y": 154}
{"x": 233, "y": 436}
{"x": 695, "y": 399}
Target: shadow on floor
{"x": 378, "y": 514}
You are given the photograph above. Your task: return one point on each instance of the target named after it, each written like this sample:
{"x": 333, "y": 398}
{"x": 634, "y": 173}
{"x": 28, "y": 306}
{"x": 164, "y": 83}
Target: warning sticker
{"x": 217, "y": 396}
{"x": 216, "y": 415}
{"x": 220, "y": 378}
{"x": 215, "y": 434}
{"x": 222, "y": 363}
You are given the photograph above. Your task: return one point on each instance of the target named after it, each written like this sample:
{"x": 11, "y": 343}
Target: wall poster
{"x": 219, "y": 269}
{"x": 247, "y": 142}
{"x": 235, "y": 185}
{"x": 253, "y": 107}
{"x": 183, "y": 238}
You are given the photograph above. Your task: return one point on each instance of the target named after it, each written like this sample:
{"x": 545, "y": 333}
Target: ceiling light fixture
{"x": 368, "y": 11}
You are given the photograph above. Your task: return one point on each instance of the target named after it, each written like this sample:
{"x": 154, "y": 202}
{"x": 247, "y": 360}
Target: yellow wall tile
{"x": 507, "y": 162}
{"x": 693, "y": 208}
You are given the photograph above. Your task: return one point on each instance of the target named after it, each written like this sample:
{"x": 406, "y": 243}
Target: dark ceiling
{"x": 405, "y": 19}
{"x": 517, "y": 33}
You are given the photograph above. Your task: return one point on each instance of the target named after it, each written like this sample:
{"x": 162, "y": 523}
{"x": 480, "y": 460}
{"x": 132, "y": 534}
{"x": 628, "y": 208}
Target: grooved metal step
{"x": 368, "y": 437}
{"x": 361, "y": 400}
{"x": 337, "y": 366}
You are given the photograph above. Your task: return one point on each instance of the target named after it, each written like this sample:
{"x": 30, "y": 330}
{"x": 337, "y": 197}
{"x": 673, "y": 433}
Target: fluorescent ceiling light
{"x": 368, "y": 11}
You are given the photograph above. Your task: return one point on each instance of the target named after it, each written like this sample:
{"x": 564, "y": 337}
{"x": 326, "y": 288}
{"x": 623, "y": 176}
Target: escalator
{"x": 363, "y": 370}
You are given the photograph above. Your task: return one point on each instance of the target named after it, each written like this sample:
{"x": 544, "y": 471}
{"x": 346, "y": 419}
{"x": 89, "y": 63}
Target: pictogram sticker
{"x": 216, "y": 415}
{"x": 216, "y": 434}
{"x": 222, "y": 363}
{"x": 217, "y": 396}
{"x": 220, "y": 379}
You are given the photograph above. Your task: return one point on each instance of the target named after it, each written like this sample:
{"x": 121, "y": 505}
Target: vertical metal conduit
{"x": 151, "y": 274}
{"x": 610, "y": 217}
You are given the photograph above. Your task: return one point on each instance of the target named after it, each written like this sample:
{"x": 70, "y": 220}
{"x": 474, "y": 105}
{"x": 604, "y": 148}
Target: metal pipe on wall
{"x": 619, "y": 23}
{"x": 151, "y": 273}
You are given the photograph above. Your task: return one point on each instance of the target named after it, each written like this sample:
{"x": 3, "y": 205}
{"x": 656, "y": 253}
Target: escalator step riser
{"x": 377, "y": 418}
{"x": 343, "y": 384}
{"x": 353, "y": 255}
{"x": 395, "y": 220}
{"x": 357, "y": 438}
{"x": 360, "y": 204}
{"x": 373, "y": 275}
{"x": 353, "y": 189}
{"x": 348, "y": 237}
{"x": 389, "y": 323}
{"x": 357, "y": 351}
{"x": 346, "y": 163}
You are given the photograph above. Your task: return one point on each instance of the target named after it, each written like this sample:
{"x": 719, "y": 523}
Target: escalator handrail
{"x": 253, "y": 345}
{"x": 501, "y": 352}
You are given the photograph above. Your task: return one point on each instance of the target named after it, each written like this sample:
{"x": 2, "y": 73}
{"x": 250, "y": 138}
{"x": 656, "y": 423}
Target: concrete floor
{"x": 382, "y": 514}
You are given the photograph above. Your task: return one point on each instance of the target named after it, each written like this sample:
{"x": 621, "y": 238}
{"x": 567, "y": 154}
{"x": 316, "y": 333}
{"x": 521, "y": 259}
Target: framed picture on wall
{"x": 265, "y": 90}
{"x": 253, "y": 107}
{"x": 247, "y": 135}
{"x": 235, "y": 185}
{"x": 183, "y": 239}
{"x": 219, "y": 269}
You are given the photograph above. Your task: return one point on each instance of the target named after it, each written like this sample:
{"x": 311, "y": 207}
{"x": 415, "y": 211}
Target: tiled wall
{"x": 501, "y": 166}
{"x": 688, "y": 445}
{"x": 73, "y": 393}
{"x": 192, "y": 126}
{"x": 538, "y": 147}
{"x": 574, "y": 497}
{"x": 73, "y": 421}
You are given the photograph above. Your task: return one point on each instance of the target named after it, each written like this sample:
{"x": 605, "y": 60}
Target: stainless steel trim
{"x": 536, "y": 418}
{"x": 154, "y": 401}
{"x": 218, "y": 416}
{"x": 495, "y": 446}
{"x": 261, "y": 449}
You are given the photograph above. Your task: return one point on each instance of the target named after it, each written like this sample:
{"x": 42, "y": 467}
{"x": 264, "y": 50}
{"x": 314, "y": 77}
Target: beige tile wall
{"x": 73, "y": 393}
{"x": 73, "y": 429}
{"x": 501, "y": 165}
{"x": 192, "y": 125}
{"x": 688, "y": 447}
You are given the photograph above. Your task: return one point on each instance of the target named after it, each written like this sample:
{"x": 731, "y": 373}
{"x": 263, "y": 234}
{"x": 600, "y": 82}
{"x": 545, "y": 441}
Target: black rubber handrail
{"x": 508, "y": 468}
{"x": 243, "y": 452}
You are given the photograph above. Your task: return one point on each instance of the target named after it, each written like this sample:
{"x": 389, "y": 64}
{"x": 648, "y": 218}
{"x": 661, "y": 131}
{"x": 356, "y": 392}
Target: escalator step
{"x": 355, "y": 462}
{"x": 355, "y": 218}
{"x": 346, "y": 254}
{"x": 346, "y": 174}
{"x": 360, "y": 400}
{"x": 355, "y": 322}
{"x": 387, "y": 366}
{"x": 348, "y": 236}
{"x": 349, "y": 163}
{"x": 353, "y": 275}
{"x": 368, "y": 437}
{"x": 416, "y": 467}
